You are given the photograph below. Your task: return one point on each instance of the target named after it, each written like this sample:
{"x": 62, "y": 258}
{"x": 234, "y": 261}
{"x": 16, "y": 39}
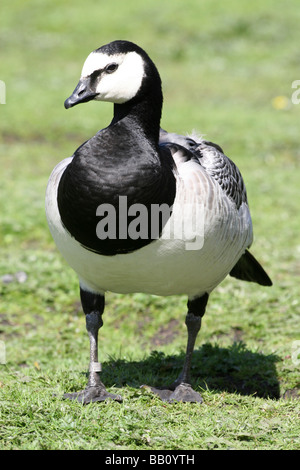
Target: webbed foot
{"x": 92, "y": 394}
{"x": 183, "y": 392}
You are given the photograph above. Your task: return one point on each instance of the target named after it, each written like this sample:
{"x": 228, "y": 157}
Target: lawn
{"x": 227, "y": 70}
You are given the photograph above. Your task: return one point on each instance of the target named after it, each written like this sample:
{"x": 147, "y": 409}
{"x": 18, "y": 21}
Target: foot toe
{"x": 92, "y": 394}
{"x": 183, "y": 392}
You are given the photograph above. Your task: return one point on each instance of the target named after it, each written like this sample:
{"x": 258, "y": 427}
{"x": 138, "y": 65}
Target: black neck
{"x": 145, "y": 112}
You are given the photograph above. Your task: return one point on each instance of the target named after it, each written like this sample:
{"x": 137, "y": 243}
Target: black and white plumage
{"x": 203, "y": 237}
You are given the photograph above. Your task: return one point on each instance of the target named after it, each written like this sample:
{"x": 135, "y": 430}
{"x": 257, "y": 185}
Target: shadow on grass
{"x": 234, "y": 369}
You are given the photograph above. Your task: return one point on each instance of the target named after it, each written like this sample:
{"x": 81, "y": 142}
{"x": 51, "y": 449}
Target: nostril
{"x": 81, "y": 91}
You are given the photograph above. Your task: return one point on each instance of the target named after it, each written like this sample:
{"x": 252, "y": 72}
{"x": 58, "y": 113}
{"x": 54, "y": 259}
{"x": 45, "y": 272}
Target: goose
{"x": 139, "y": 209}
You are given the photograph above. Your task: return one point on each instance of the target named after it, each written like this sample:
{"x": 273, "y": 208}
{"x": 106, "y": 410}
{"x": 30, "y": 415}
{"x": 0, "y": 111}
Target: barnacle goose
{"x": 138, "y": 209}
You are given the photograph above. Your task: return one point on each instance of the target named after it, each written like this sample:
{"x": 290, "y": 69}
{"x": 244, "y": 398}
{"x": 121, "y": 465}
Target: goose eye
{"x": 110, "y": 68}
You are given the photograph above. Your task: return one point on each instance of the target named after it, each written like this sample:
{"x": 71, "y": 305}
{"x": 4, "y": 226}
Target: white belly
{"x": 176, "y": 263}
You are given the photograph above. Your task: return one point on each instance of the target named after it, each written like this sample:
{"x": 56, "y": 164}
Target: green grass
{"x": 222, "y": 65}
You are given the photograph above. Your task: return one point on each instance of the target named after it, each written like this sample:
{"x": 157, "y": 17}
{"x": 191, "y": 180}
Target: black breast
{"x": 107, "y": 194}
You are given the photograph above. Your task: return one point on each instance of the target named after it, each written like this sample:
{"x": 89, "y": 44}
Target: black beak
{"x": 81, "y": 94}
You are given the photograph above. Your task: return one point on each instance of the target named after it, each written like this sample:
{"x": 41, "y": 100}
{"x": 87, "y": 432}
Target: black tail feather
{"x": 248, "y": 269}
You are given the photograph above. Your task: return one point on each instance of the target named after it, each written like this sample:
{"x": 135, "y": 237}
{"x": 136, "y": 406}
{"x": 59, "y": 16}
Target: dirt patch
{"x": 237, "y": 334}
{"x": 4, "y": 321}
{"x": 166, "y": 333}
{"x": 292, "y": 394}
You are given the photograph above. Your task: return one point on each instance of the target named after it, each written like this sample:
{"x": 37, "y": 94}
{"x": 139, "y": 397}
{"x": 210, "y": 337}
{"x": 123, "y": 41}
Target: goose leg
{"x": 180, "y": 389}
{"x": 93, "y": 307}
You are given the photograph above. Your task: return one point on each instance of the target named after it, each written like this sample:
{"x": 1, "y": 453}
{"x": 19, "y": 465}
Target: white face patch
{"x": 121, "y": 85}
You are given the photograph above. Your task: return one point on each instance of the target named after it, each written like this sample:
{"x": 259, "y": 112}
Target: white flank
{"x": 169, "y": 265}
